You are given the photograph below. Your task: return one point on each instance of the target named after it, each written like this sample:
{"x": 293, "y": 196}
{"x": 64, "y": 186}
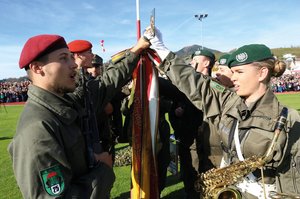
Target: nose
{"x": 233, "y": 77}
{"x": 91, "y": 52}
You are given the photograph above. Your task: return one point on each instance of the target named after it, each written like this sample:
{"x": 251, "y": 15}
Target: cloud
{"x": 125, "y": 22}
{"x": 88, "y": 6}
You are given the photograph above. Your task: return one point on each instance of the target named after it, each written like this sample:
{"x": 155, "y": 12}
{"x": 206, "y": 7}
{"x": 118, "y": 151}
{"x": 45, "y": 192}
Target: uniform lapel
{"x": 62, "y": 107}
{"x": 263, "y": 114}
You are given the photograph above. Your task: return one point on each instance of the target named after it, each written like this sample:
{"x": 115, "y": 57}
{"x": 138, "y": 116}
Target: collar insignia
{"x": 220, "y": 88}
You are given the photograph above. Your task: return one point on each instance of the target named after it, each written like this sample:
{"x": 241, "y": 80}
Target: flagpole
{"x": 138, "y": 21}
{"x": 143, "y": 171}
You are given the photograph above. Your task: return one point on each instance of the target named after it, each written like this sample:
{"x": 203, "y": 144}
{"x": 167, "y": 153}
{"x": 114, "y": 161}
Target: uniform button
{"x": 127, "y": 53}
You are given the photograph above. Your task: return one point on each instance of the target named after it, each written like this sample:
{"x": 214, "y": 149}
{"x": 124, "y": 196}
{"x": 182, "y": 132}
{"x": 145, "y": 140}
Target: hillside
{"x": 279, "y": 52}
{"x": 189, "y": 50}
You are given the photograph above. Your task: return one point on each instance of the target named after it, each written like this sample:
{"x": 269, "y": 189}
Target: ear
{"x": 263, "y": 74}
{"x": 36, "y": 67}
{"x": 206, "y": 63}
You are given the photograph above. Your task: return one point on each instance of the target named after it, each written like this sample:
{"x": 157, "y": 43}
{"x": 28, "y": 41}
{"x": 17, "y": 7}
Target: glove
{"x": 156, "y": 42}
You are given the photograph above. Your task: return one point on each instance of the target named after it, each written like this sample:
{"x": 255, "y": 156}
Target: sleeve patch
{"x": 217, "y": 86}
{"x": 53, "y": 180}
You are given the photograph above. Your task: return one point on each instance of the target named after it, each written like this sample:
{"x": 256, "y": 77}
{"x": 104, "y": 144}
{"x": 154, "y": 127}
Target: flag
{"x": 102, "y": 45}
{"x": 144, "y": 173}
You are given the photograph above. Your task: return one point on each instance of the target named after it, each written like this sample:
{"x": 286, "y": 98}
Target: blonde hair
{"x": 276, "y": 67}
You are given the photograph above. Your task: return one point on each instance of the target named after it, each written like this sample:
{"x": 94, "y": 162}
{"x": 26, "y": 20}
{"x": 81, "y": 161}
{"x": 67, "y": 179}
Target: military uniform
{"x": 224, "y": 109}
{"x": 185, "y": 130}
{"x": 209, "y": 149}
{"x": 49, "y": 151}
{"x": 211, "y": 152}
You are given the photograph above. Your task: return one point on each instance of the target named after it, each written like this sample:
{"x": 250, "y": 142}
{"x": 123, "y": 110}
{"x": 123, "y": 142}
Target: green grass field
{"x": 9, "y": 190}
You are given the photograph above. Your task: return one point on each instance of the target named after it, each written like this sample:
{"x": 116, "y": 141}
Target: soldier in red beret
{"x": 82, "y": 51}
{"x": 49, "y": 151}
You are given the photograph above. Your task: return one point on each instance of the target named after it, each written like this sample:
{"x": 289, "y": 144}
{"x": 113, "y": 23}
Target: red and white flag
{"x": 102, "y": 45}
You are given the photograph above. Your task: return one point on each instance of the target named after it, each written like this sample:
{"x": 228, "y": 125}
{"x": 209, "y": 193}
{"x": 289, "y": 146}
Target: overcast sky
{"x": 230, "y": 24}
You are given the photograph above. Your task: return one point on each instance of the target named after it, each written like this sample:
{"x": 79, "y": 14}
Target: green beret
{"x": 223, "y": 60}
{"x": 248, "y": 54}
{"x": 204, "y": 52}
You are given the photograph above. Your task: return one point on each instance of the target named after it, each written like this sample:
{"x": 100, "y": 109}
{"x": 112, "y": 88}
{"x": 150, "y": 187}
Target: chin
{"x": 239, "y": 93}
{"x": 70, "y": 89}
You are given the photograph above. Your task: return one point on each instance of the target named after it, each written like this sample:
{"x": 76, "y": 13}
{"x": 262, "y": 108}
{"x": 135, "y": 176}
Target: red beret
{"x": 40, "y": 45}
{"x": 78, "y": 46}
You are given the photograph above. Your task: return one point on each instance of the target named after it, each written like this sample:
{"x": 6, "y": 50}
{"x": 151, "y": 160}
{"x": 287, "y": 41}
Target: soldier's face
{"x": 84, "y": 59}
{"x": 94, "y": 71}
{"x": 199, "y": 62}
{"x": 246, "y": 80}
{"x": 88, "y": 57}
{"x": 59, "y": 73}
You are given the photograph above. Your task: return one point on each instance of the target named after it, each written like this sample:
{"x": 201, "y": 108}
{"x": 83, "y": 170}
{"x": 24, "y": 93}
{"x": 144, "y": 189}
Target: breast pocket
{"x": 256, "y": 142}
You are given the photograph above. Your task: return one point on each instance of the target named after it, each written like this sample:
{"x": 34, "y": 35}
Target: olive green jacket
{"x": 49, "y": 138}
{"x": 222, "y": 108}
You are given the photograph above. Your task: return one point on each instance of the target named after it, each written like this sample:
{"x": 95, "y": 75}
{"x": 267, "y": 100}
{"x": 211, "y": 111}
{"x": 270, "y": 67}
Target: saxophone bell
{"x": 229, "y": 193}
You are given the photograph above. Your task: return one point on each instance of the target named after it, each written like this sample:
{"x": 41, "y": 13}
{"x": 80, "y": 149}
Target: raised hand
{"x": 156, "y": 42}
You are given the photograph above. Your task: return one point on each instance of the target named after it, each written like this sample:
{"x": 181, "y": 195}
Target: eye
{"x": 236, "y": 71}
{"x": 63, "y": 58}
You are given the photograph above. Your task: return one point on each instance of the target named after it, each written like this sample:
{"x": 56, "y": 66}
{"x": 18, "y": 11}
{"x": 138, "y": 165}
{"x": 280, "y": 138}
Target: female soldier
{"x": 246, "y": 118}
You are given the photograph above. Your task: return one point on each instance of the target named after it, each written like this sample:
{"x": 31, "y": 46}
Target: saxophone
{"x": 217, "y": 183}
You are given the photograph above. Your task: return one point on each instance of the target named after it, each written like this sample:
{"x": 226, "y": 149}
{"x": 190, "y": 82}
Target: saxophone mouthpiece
{"x": 282, "y": 119}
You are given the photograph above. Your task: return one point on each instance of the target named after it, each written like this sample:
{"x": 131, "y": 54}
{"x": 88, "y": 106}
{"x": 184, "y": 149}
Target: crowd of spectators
{"x": 17, "y": 91}
{"x": 13, "y": 91}
{"x": 288, "y": 82}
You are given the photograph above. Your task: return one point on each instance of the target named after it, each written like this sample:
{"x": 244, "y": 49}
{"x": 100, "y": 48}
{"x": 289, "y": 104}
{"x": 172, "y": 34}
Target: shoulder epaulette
{"x": 118, "y": 56}
{"x": 217, "y": 86}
